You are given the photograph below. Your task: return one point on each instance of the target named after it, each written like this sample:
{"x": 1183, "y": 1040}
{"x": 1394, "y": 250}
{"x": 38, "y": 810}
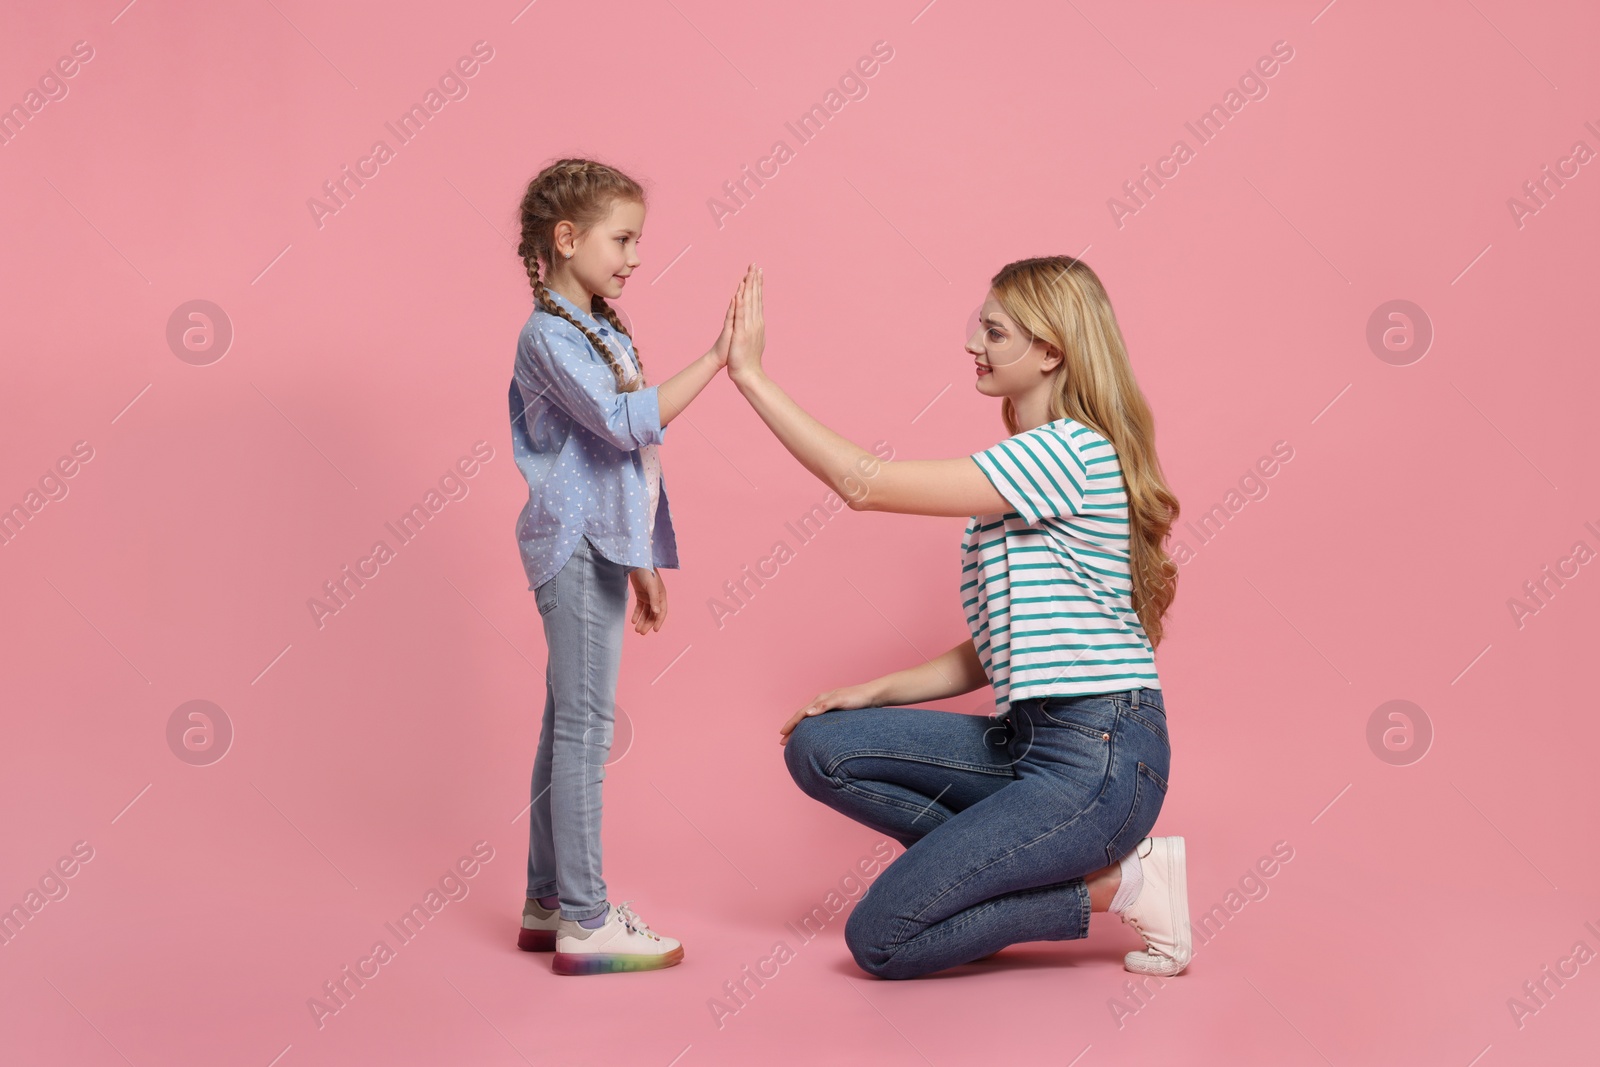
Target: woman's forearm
{"x": 949, "y": 674}
{"x": 835, "y": 459}
{"x": 675, "y": 394}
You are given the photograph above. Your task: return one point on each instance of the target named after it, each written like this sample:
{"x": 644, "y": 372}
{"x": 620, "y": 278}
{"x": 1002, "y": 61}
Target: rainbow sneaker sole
{"x": 611, "y": 962}
{"x": 536, "y": 940}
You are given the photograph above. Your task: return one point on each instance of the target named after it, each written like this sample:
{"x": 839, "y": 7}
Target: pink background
{"x": 371, "y": 353}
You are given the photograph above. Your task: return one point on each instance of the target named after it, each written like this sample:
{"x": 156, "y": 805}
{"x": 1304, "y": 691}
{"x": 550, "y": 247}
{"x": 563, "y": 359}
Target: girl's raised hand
{"x": 749, "y": 327}
{"x": 719, "y": 351}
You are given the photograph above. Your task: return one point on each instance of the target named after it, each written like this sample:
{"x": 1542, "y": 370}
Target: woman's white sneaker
{"x": 1161, "y": 911}
{"x": 622, "y": 943}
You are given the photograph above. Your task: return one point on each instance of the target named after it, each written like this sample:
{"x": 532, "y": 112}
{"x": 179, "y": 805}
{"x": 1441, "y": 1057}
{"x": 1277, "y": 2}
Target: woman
{"x": 1014, "y": 831}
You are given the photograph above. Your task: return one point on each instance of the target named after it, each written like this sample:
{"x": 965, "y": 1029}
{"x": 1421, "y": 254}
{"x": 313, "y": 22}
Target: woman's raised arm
{"x": 914, "y": 487}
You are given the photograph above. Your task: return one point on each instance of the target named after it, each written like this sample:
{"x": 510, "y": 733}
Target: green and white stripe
{"x": 1047, "y": 588}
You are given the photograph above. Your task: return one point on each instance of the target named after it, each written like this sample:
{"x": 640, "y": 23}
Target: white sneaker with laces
{"x": 622, "y": 943}
{"x": 1161, "y": 911}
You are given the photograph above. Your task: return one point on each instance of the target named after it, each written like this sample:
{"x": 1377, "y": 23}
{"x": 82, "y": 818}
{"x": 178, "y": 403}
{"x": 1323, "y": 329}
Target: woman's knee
{"x": 806, "y": 755}
{"x": 868, "y": 936}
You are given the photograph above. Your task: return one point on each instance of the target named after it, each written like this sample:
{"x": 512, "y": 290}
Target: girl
{"x": 585, "y": 427}
{"x": 1017, "y": 831}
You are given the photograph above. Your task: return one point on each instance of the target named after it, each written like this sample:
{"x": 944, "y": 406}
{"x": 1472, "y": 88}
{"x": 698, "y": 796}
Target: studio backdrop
{"x": 273, "y": 673}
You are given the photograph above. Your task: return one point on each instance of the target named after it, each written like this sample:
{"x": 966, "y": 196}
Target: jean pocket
{"x": 1155, "y": 723}
{"x": 1095, "y": 716}
{"x": 1149, "y": 791}
{"x": 545, "y": 597}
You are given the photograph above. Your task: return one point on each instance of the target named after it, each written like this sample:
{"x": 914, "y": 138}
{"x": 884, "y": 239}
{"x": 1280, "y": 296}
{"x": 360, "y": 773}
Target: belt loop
{"x": 1134, "y": 700}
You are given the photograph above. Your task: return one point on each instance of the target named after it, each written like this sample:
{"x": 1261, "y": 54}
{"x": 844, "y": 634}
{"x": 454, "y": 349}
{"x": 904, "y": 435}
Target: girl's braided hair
{"x": 582, "y": 192}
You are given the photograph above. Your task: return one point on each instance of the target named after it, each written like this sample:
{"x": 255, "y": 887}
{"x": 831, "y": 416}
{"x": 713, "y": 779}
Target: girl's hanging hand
{"x": 749, "y": 327}
{"x": 649, "y": 599}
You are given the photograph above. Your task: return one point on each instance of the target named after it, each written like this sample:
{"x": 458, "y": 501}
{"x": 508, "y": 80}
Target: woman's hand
{"x": 749, "y": 327}
{"x": 851, "y": 696}
{"x": 719, "y": 351}
{"x": 649, "y": 599}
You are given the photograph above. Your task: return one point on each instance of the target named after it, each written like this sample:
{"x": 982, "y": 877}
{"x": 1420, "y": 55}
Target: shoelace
{"x": 630, "y": 918}
{"x": 1150, "y": 947}
{"x": 1134, "y": 922}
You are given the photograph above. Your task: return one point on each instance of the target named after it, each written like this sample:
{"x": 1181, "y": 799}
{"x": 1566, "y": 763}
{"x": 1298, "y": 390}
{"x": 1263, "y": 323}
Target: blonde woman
{"x": 1016, "y": 828}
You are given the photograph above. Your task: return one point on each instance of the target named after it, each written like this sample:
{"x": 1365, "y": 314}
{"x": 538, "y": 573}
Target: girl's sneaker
{"x": 538, "y": 933}
{"x": 622, "y": 943}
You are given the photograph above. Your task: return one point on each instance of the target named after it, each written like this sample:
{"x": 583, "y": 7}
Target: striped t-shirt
{"x": 1047, "y": 588}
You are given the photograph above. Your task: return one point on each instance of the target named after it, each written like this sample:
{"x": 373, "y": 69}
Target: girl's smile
{"x": 599, "y": 262}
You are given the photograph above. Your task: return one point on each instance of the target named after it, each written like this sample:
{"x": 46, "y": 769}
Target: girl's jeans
{"x": 1001, "y": 818}
{"x": 583, "y": 608}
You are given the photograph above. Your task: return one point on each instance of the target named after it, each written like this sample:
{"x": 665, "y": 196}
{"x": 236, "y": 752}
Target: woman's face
{"x": 1007, "y": 360}
{"x": 604, "y": 257}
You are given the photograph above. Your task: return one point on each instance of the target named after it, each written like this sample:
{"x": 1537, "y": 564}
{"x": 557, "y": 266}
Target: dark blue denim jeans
{"x": 1001, "y": 818}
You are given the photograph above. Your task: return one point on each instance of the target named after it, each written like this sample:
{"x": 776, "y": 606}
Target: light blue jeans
{"x": 1001, "y": 819}
{"x": 583, "y": 608}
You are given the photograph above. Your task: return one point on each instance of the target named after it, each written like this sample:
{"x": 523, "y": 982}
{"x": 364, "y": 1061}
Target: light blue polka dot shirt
{"x": 576, "y": 440}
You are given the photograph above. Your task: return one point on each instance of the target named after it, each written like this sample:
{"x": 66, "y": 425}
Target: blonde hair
{"x": 582, "y": 192}
{"x": 1061, "y": 302}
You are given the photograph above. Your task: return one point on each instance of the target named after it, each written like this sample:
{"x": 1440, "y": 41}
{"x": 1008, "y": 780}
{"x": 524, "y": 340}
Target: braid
{"x": 582, "y": 192}
{"x": 542, "y": 301}
{"x": 607, "y": 312}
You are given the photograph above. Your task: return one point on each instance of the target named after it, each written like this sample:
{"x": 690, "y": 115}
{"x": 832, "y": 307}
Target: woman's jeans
{"x": 1001, "y": 818}
{"x": 583, "y": 608}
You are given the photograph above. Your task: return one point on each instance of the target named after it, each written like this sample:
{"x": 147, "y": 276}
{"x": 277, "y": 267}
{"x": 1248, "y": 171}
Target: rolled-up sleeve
{"x": 554, "y": 358}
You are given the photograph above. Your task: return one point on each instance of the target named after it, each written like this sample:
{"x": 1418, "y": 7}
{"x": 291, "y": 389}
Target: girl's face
{"x": 603, "y": 258}
{"x": 1008, "y": 361}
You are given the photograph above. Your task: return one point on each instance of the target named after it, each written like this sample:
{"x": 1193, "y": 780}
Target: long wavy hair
{"x": 1061, "y": 302}
{"x": 582, "y": 192}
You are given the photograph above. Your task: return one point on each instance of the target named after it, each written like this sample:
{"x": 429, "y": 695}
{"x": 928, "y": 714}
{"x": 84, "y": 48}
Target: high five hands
{"x": 743, "y": 330}
{"x": 749, "y": 327}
